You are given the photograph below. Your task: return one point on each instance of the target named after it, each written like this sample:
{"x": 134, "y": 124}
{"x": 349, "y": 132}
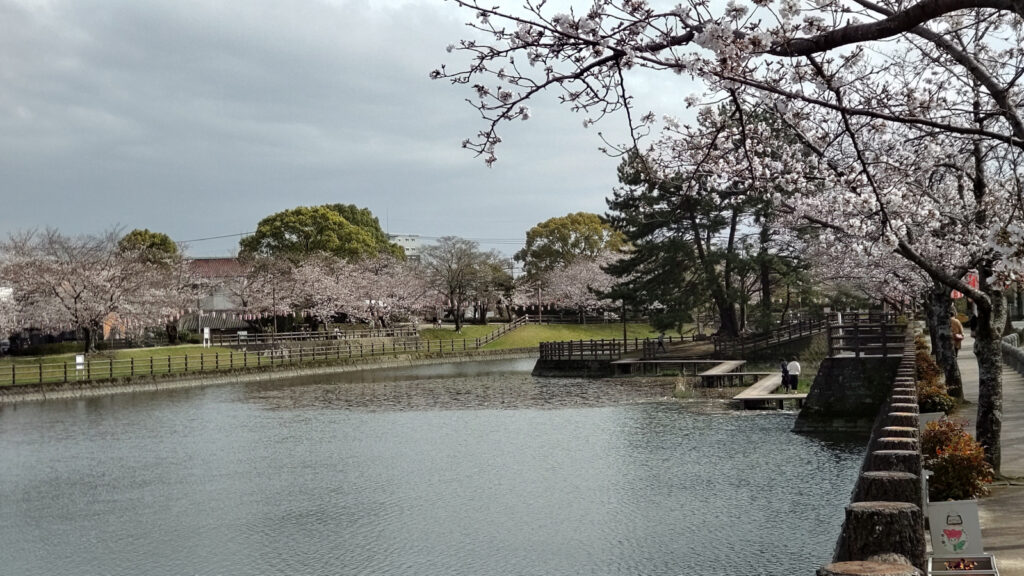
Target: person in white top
{"x": 794, "y": 373}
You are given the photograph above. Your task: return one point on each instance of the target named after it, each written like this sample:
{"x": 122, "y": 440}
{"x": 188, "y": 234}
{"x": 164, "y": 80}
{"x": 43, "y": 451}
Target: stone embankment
{"x": 39, "y": 392}
{"x": 883, "y": 532}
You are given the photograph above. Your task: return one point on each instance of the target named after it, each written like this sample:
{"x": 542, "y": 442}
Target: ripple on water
{"x": 429, "y": 476}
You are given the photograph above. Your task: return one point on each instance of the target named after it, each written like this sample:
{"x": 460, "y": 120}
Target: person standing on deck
{"x": 794, "y": 373}
{"x": 785, "y": 374}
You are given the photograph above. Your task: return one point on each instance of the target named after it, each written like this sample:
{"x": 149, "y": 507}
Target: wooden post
{"x": 868, "y": 568}
{"x": 133, "y": 366}
{"x": 88, "y": 369}
{"x": 40, "y": 372}
{"x": 856, "y": 339}
{"x": 895, "y": 461}
{"x": 186, "y": 361}
{"x": 873, "y": 528}
{"x": 65, "y": 373}
{"x": 884, "y": 486}
{"x": 885, "y": 347}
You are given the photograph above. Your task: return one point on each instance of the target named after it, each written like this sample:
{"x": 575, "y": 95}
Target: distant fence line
{"x": 246, "y": 339}
{"x": 202, "y": 362}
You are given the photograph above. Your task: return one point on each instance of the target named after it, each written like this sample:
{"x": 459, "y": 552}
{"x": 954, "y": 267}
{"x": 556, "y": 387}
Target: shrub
{"x": 928, "y": 370}
{"x": 920, "y": 343}
{"x": 957, "y": 462}
{"x": 941, "y": 433}
{"x": 933, "y": 399}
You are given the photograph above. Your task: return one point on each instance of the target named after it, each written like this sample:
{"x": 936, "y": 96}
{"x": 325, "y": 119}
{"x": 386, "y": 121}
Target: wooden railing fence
{"x": 744, "y": 344}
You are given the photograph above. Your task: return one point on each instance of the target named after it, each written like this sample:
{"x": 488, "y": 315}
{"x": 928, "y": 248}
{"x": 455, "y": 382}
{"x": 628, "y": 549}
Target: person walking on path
{"x": 794, "y": 373}
{"x": 661, "y": 343}
{"x": 957, "y": 330}
{"x": 785, "y": 374}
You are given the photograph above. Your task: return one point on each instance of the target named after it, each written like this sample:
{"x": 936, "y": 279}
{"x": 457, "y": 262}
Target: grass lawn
{"x": 469, "y": 331}
{"x": 531, "y": 335}
{"x": 137, "y": 353}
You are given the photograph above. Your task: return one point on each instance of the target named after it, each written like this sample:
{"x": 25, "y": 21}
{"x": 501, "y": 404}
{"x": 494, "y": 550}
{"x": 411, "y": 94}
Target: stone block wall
{"x": 883, "y": 531}
{"x": 846, "y": 394}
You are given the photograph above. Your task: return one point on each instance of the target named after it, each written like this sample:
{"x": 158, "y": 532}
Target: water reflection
{"x": 465, "y": 386}
{"x": 343, "y": 475}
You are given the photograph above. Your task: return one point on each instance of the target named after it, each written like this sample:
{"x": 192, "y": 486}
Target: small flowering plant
{"x": 956, "y": 460}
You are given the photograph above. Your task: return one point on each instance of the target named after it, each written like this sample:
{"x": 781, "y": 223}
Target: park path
{"x": 1002, "y": 512}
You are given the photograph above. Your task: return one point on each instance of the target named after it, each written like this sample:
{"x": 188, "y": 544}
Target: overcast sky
{"x": 199, "y": 118}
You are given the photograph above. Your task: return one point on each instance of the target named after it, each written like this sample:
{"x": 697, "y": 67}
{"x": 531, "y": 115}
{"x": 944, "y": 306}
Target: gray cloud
{"x": 199, "y": 118}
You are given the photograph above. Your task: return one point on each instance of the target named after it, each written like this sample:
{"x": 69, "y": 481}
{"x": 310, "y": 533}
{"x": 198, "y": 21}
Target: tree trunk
{"x": 90, "y": 338}
{"x": 989, "y": 352}
{"x": 765, "y": 273}
{"x": 940, "y": 305}
{"x": 172, "y": 333}
{"x": 785, "y": 308}
{"x": 458, "y": 312}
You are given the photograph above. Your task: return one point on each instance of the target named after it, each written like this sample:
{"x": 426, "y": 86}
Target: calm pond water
{"x": 469, "y": 469}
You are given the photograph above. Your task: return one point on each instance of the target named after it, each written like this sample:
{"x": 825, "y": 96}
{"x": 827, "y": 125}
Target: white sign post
{"x": 79, "y": 365}
{"x": 954, "y": 528}
{"x": 206, "y": 336}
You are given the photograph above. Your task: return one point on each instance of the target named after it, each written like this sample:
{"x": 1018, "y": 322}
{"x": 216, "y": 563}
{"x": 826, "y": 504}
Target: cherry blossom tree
{"x": 390, "y": 289}
{"x": 268, "y": 289}
{"x": 909, "y": 113}
{"x": 62, "y": 283}
{"x": 582, "y": 284}
{"x": 8, "y": 319}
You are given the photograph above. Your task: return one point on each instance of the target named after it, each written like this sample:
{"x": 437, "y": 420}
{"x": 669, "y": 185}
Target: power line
{"x": 214, "y": 237}
{"x": 509, "y": 241}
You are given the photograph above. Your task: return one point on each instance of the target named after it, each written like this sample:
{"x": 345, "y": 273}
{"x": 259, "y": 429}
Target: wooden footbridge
{"x": 856, "y": 335}
{"x": 761, "y": 389}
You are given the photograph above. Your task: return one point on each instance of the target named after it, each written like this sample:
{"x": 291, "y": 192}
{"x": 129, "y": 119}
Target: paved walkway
{"x": 1001, "y": 513}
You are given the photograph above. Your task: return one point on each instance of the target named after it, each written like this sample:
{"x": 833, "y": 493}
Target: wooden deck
{"x": 724, "y": 373}
{"x": 760, "y": 394}
{"x": 686, "y": 366}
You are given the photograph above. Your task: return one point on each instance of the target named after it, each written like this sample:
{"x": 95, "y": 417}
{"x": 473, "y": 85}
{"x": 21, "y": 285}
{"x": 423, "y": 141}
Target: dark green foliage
{"x": 154, "y": 247}
{"x": 558, "y": 241}
{"x": 300, "y": 232}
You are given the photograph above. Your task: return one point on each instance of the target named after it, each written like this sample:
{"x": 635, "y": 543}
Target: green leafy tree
{"x": 297, "y": 233}
{"x": 557, "y": 242}
{"x": 154, "y": 247}
{"x": 363, "y": 218}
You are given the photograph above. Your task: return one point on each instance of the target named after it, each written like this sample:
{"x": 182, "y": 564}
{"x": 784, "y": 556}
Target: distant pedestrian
{"x": 794, "y": 373}
{"x": 785, "y": 374}
{"x": 957, "y": 330}
{"x": 661, "y": 342}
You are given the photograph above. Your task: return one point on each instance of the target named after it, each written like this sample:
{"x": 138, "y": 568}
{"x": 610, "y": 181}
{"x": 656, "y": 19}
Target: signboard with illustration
{"x": 954, "y": 528}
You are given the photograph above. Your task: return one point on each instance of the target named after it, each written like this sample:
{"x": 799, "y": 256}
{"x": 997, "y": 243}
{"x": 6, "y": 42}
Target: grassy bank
{"x": 194, "y": 358}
